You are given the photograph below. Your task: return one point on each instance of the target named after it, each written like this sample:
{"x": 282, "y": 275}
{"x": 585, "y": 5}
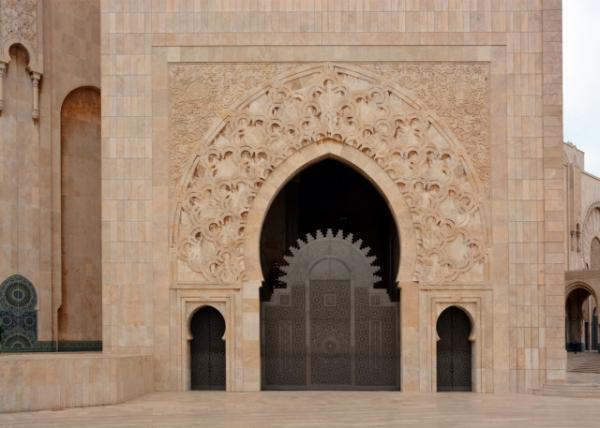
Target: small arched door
{"x": 454, "y": 351}
{"x": 207, "y": 350}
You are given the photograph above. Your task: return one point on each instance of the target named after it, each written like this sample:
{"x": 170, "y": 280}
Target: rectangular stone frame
{"x": 189, "y": 298}
{"x": 475, "y": 303}
{"x": 415, "y": 369}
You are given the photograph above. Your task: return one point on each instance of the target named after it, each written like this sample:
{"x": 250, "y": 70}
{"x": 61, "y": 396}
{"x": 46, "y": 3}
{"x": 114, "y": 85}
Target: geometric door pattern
{"x": 329, "y": 327}
{"x": 18, "y": 316}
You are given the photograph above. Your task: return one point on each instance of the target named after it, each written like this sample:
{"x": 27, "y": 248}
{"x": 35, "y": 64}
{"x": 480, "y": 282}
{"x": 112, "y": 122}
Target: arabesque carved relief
{"x": 353, "y": 107}
{"x": 18, "y": 20}
{"x": 458, "y": 93}
{"x": 200, "y": 96}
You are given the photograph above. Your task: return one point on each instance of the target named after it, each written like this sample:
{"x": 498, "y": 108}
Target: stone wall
{"x": 58, "y": 381}
{"x": 72, "y": 60}
{"x": 24, "y": 218}
{"x": 520, "y": 42}
{"x": 58, "y": 51}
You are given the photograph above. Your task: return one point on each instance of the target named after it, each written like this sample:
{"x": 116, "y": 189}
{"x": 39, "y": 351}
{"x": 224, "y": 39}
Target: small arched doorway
{"x": 454, "y": 353}
{"x": 581, "y": 325}
{"x": 207, "y": 349}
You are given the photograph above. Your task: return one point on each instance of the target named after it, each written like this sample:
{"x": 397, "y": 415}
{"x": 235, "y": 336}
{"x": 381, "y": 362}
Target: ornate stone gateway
{"x": 329, "y": 327}
{"x": 454, "y": 351}
{"x": 208, "y": 350}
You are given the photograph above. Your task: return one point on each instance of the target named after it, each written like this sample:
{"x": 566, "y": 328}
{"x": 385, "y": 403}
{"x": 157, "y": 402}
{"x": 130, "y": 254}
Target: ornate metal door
{"x": 453, "y": 351}
{"x": 329, "y": 327}
{"x": 207, "y": 350}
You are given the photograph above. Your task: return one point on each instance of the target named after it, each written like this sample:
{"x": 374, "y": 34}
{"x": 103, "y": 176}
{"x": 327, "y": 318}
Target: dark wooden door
{"x": 454, "y": 351}
{"x": 208, "y": 350}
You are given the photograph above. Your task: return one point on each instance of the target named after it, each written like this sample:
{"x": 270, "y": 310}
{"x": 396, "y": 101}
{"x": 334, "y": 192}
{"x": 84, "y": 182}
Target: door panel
{"x": 330, "y": 327}
{"x": 454, "y": 351}
{"x": 208, "y": 350}
{"x": 330, "y": 332}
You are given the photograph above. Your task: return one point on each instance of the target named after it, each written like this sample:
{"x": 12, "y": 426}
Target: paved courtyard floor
{"x": 323, "y": 409}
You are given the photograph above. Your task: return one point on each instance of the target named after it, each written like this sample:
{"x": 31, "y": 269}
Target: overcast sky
{"x": 581, "y": 53}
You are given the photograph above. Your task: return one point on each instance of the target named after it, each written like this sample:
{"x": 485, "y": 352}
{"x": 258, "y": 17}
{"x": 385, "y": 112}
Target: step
{"x": 575, "y": 390}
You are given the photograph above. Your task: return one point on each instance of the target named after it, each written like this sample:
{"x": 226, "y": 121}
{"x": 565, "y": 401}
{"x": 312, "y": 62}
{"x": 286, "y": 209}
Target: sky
{"x": 581, "y": 62}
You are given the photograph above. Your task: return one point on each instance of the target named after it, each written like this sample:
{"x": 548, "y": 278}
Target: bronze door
{"x": 330, "y": 327}
{"x": 453, "y": 351}
{"x": 330, "y": 332}
{"x": 207, "y": 350}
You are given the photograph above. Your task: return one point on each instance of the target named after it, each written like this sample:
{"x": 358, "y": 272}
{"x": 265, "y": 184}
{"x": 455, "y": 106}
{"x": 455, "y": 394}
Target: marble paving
{"x": 323, "y": 409}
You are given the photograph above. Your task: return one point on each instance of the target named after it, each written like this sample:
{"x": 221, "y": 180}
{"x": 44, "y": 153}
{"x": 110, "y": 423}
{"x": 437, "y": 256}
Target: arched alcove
{"x": 581, "y": 330}
{"x": 80, "y": 312}
{"x": 595, "y": 254}
{"x": 330, "y": 306}
{"x": 207, "y": 350}
{"x": 454, "y": 351}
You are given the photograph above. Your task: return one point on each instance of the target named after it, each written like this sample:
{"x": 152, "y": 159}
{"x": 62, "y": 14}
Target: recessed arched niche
{"x": 80, "y": 311}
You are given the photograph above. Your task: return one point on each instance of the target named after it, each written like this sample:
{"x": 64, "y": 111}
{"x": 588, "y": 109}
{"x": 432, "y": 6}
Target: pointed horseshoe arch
{"x": 357, "y": 161}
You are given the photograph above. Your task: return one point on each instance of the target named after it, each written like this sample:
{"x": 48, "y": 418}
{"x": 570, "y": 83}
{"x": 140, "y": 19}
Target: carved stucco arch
{"x": 34, "y": 64}
{"x": 330, "y": 149}
{"x": 580, "y": 285}
{"x": 217, "y": 216}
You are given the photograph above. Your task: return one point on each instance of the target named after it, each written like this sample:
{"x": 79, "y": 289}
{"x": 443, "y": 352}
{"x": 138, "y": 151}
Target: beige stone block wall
{"x": 72, "y": 60}
{"x": 527, "y": 189}
{"x": 22, "y": 213}
{"x": 62, "y": 41}
{"x": 58, "y": 381}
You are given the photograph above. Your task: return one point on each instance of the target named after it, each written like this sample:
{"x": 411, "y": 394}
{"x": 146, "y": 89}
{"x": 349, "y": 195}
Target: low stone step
{"x": 575, "y": 390}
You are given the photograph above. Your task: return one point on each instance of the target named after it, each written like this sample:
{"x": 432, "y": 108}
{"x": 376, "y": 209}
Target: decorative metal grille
{"x": 18, "y": 316}
{"x": 329, "y": 327}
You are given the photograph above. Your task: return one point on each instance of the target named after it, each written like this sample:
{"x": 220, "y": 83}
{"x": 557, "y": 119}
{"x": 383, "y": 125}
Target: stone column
{"x": 409, "y": 332}
{"x": 35, "y": 80}
{"x": 251, "y": 378}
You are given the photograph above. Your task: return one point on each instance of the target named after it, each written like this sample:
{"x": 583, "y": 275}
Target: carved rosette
{"x": 352, "y": 107}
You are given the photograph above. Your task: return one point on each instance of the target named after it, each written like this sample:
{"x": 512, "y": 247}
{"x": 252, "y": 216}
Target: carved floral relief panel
{"x": 18, "y": 20}
{"x": 225, "y": 145}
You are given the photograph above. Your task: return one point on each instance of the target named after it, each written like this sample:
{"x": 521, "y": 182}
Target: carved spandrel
{"x": 333, "y": 102}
